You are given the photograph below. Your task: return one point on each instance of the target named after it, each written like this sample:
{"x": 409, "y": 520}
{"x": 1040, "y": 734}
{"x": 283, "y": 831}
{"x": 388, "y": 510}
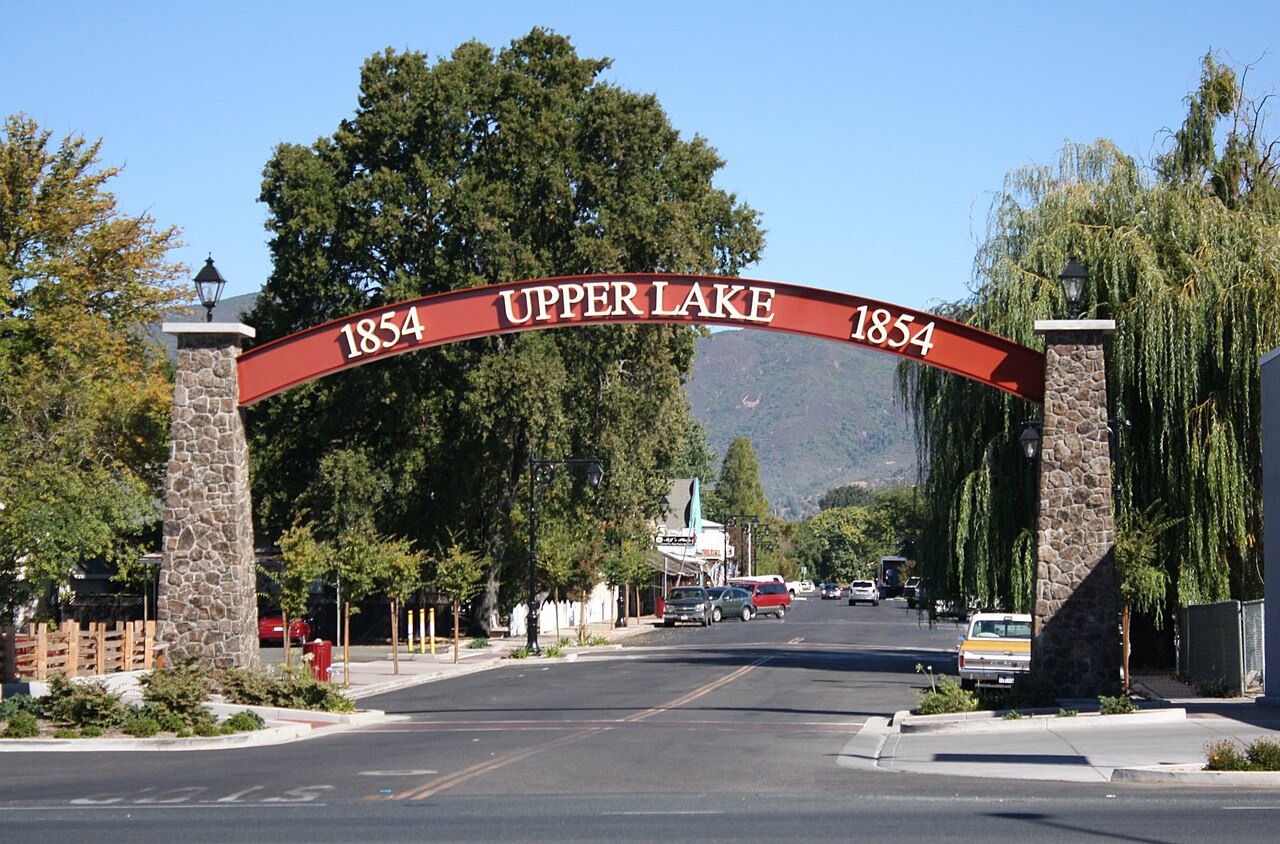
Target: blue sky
{"x": 870, "y": 135}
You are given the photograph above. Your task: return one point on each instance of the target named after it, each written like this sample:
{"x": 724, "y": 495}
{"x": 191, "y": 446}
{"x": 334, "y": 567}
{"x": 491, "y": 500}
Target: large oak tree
{"x": 484, "y": 167}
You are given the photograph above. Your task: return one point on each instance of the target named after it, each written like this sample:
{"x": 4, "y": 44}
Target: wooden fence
{"x": 38, "y": 651}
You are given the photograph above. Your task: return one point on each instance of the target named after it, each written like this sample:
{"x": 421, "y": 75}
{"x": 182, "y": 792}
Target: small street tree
{"x": 303, "y": 560}
{"x": 1144, "y": 582}
{"x": 458, "y": 576}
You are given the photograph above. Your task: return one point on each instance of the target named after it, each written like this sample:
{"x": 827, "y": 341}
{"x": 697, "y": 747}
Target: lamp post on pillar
{"x": 1076, "y": 642}
{"x": 206, "y": 594}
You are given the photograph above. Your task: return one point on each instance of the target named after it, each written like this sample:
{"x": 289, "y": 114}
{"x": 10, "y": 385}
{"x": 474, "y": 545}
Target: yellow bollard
{"x": 431, "y": 629}
{"x": 422, "y": 629}
{"x": 410, "y": 626}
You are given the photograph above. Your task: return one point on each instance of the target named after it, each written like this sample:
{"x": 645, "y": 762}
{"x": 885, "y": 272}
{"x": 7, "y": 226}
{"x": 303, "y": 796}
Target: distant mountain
{"x": 819, "y": 414}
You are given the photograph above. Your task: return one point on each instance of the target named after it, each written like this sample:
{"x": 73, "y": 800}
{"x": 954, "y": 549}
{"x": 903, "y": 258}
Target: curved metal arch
{"x": 639, "y": 297}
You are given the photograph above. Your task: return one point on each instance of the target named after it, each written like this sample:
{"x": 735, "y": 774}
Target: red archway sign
{"x": 643, "y": 297}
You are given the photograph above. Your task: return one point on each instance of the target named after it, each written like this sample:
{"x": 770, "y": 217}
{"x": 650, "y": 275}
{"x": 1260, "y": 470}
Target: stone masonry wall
{"x": 207, "y": 596}
{"x": 1077, "y": 639}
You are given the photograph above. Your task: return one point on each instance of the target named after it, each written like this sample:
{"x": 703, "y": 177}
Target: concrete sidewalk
{"x": 1162, "y": 743}
{"x": 373, "y": 671}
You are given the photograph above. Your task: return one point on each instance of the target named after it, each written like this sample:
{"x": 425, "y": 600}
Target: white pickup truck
{"x": 994, "y": 649}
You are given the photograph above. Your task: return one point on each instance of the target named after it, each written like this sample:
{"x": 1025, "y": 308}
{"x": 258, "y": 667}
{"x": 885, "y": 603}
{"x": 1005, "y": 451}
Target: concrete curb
{"x": 988, "y": 721}
{"x": 1196, "y": 775}
{"x": 274, "y": 733}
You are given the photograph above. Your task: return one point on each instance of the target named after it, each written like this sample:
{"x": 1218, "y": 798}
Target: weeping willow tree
{"x": 1185, "y": 256}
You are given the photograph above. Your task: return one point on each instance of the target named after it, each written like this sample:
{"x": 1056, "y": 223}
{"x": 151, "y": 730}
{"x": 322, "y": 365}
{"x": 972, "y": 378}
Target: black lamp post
{"x": 209, "y": 284}
{"x": 1073, "y": 278}
{"x": 541, "y": 471}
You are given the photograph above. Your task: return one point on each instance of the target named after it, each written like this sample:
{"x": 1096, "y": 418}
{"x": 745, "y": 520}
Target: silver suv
{"x": 687, "y": 603}
{"x": 864, "y": 592}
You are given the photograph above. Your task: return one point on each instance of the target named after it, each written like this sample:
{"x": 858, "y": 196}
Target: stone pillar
{"x": 206, "y": 602}
{"x": 1076, "y": 643}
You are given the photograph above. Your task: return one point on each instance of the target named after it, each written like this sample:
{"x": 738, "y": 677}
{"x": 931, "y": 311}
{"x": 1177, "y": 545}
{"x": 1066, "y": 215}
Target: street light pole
{"x": 537, "y": 468}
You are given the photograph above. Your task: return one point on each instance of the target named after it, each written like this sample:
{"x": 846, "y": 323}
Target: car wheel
{"x": 716, "y": 615}
{"x": 706, "y": 621}
{"x": 781, "y": 612}
{"x": 668, "y": 623}
{"x": 746, "y": 613}
{"x": 968, "y": 684}
{"x": 875, "y": 603}
{"x": 852, "y": 602}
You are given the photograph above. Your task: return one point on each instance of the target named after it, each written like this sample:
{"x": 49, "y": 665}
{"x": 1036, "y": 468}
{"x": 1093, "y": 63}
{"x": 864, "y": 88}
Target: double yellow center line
{"x": 448, "y": 781}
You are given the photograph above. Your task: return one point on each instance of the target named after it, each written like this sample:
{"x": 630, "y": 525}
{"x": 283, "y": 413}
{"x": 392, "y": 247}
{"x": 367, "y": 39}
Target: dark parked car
{"x": 730, "y": 602}
{"x": 911, "y": 591}
{"x": 687, "y": 603}
{"x": 831, "y": 590}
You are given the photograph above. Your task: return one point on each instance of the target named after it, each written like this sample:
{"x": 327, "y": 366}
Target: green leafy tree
{"x": 84, "y": 409}
{"x": 459, "y": 575}
{"x": 739, "y": 490}
{"x": 1144, "y": 581}
{"x": 1180, "y": 256}
{"x": 851, "y": 495}
{"x": 303, "y": 560}
{"x": 483, "y": 167}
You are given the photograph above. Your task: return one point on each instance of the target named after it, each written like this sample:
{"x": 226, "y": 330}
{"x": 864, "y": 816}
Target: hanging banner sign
{"x": 638, "y": 298}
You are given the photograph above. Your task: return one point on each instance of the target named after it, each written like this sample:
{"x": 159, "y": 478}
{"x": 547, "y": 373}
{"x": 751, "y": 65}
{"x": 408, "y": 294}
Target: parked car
{"x": 730, "y": 602}
{"x": 807, "y": 586}
{"x": 864, "y": 592}
{"x": 687, "y": 603}
{"x": 769, "y": 597}
{"x": 911, "y": 591}
{"x": 994, "y": 650}
{"x": 830, "y": 590}
{"x": 271, "y": 629}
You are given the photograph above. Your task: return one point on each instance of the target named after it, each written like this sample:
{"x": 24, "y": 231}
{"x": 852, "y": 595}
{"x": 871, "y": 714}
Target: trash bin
{"x": 320, "y": 654}
{"x": 662, "y": 605}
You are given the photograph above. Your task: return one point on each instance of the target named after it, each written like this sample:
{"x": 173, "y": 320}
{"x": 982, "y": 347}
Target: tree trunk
{"x": 284, "y": 617}
{"x": 395, "y": 637}
{"x": 346, "y": 643}
{"x": 1124, "y": 644}
{"x": 582, "y": 618}
{"x": 557, "y": 600}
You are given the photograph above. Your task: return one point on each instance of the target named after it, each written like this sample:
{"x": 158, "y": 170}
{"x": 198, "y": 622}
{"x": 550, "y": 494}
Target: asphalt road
{"x": 688, "y": 734}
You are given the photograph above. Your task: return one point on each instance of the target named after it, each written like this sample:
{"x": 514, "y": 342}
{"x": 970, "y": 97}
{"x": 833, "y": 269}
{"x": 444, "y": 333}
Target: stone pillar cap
{"x": 237, "y": 328}
{"x": 1044, "y": 326}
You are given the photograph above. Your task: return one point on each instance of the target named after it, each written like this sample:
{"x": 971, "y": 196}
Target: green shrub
{"x": 1264, "y": 755}
{"x": 553, "y": 652}
{"x": 66, "y": 732}
{"x": 1225, "y": 755}
{"x": 207, "y": 730}
{"x": 90, "y": 731}
{"x": 141, "y": 727}
{"x": 592, "y": 641}
{"x": 294, "y": 688}
{"x": 245, "y": 721}
{"x": 178, "y": 692}
{"x": 1214, "y": 688}
{"x": 1068, "y": 713}
{"x": 89, "y": 704}
{"x": 1013, "y": 715}
{"x": 943, "y": 695}
{"x": 478, "y": 643}
{"x": 521, "y": 652}
{"x": 18, "y": 703}
{"x": 564, "y": 642}
{"x": 21, "y": 725}
{"x": 1118, "y": 705}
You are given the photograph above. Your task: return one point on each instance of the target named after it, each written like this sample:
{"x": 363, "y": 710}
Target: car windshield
{"x": 861, "y": 584}
{"x": 717, "y": 592}
{"x": 677, "y": 594}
